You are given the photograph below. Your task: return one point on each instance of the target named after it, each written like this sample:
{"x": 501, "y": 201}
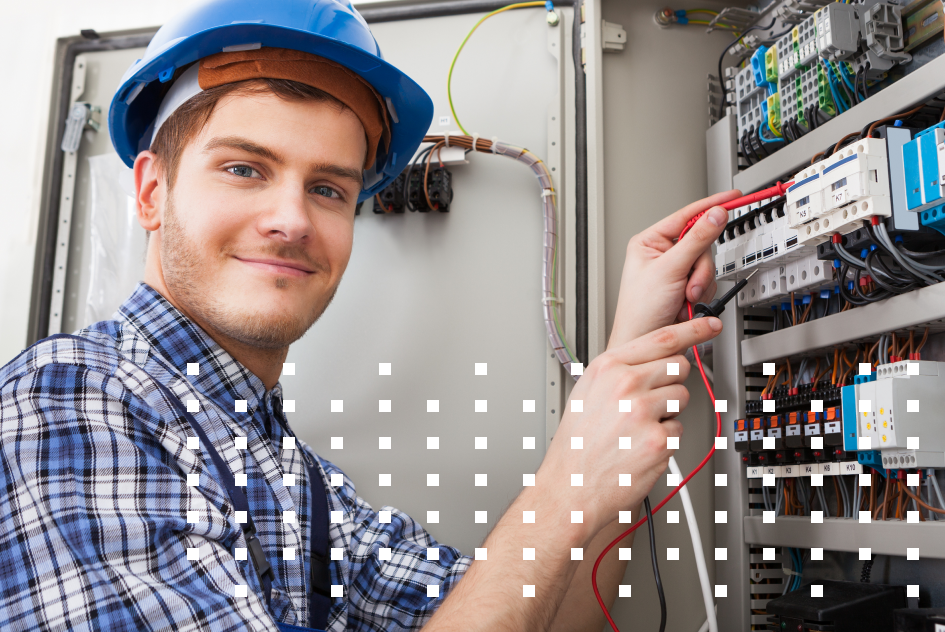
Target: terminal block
{"x": 838, "y": 31}
{"x": 923, "y": 163}
{"x": 834, "y": 195}
{"x": 391, "y": 198}
{"x": 749, "y": 97}
{"x": 905, "y": 400}
{"x": 883, "y": 37}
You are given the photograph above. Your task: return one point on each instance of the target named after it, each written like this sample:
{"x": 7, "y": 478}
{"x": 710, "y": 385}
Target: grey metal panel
{"x": 882, "y": 537}
{"x": 923, "y": 306}
{"x": 103, "y": 73}
{"x": 721, "y": 155}
{"x": 435, "y": 293}
{"x": 911, "y": 89}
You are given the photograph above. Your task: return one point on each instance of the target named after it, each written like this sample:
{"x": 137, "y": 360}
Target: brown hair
{"x": 191, "y": 117}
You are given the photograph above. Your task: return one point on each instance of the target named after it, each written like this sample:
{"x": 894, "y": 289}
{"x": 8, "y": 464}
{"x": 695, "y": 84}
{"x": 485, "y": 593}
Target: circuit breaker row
{"x": 898, "y": 179}
{"x": 888, "y": 419}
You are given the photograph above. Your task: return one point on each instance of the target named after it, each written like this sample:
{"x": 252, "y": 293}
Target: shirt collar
{"x": 181, "y": 341}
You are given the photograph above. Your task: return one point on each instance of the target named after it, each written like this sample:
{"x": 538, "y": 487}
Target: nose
{"x": 287, "y": 219}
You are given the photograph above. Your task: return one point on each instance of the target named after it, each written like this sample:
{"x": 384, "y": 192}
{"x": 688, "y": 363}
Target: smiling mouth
{"x": 275, "y": 268}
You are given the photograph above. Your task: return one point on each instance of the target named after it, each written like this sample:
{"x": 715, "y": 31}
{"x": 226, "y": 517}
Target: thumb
{"x": 683, "y": 256}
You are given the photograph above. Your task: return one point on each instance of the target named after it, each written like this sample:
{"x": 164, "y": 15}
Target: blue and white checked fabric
{"x": 96, "y": 505}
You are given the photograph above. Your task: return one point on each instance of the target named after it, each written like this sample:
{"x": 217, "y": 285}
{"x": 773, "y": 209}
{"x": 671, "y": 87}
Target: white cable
{"x": 705, "y": 626}
{"x": 713, "y": 625}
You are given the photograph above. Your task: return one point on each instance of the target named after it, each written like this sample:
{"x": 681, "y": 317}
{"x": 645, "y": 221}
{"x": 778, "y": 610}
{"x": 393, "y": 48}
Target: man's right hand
{"x": 635, "y": 371}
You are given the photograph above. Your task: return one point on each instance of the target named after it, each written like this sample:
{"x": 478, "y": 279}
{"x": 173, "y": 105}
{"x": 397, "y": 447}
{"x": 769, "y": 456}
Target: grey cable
{"x": 928, "y": 493}
{"x": 842, "y": 484}
{"x": 938, "y": 490}
{"x": 921, "y": 266}
{"x": 823, "y": 501}
{"x": 780, "y": 488}
{"x": 849, "y": 258}
{"x": 800, "y": 370}
{"x": 883, "y": 236}
{"x": 764, "y": 496}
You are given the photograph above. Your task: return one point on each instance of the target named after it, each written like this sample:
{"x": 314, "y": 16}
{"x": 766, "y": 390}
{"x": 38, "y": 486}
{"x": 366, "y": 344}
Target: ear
{"x": 149, "y": 191}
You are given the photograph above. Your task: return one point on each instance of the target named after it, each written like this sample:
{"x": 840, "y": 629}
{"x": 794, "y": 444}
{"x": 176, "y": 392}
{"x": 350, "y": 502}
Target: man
{"x": 152, "y": 479}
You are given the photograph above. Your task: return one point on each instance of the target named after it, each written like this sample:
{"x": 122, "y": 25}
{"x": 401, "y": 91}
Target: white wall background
{"x": 28, "y": 47}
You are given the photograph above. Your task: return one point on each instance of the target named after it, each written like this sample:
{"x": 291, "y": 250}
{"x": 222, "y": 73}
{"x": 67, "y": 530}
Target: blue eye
{"x": 242, "y": 171}
{"x": 326, "y": 191}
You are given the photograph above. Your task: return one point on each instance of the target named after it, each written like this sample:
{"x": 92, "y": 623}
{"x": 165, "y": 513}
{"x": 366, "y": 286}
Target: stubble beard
{"x": 185, "y": 266}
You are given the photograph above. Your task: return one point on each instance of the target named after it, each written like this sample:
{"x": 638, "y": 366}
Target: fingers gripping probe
{"x": 717, "y": 306}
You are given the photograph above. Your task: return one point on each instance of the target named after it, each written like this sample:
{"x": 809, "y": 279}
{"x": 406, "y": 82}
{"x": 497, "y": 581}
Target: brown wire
{"x": 887, "y": 496}
{"x": 377, "y": 196}
{"x": 872, "y": 491}
{"x": 790, "y": 374}
{"x": 793, "y": 312}
{"x": 925, "y": 337}
{"x": 814, "y": 159}
{"x": 869, "y": 133}
{"x": 840, "y": 142}
{"x": 907, "y": 350}
{"x": 426, "y": 173}
{"x": 919, "y": 501}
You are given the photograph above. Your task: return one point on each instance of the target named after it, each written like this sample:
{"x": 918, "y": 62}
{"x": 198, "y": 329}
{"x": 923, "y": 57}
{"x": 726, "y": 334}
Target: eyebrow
{"x": 243, "y": 144}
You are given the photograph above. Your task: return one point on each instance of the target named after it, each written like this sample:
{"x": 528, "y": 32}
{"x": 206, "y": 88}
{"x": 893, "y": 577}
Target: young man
{"x": 152, "y": 480}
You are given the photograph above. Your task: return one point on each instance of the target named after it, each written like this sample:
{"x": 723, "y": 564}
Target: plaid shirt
{"x": 95, "y": 526}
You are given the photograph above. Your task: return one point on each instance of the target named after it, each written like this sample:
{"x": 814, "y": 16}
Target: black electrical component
{"x": 919, "y": 620}
{"x": 394, "y": 198}
{"x": 440, "y": 189}
{"x": 391, "y": 197}
{"x": 844, "y": 607}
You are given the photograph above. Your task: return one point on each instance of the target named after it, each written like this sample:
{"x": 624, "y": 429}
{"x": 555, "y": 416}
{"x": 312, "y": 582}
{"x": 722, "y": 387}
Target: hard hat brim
{"x": 135, "y": 104}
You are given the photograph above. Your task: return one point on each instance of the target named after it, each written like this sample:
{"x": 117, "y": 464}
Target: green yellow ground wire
{"x": 449, "y": 94}
{"x": 449, "y": 79}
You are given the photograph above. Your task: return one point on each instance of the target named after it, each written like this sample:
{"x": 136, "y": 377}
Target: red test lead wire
{"x": 775, "y": 191}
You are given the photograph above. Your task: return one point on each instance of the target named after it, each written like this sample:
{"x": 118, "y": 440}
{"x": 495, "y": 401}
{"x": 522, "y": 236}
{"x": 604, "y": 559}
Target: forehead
{"x": 303, "y": 129}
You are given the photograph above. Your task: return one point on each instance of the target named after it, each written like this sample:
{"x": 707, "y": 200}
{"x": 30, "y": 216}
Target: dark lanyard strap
{"x": 319, "y": 595}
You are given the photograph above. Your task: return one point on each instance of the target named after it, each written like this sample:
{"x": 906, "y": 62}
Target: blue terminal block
{"x": 934, "y": 218}
{"x": 861, "y": 379}
{"x": 912, "y": 169}
{"x": 929, "y": 156}
{"x": 920, "y": 164}
{"x": 759, "y": 73}
{"x": 848, "y": 415}
{"x": 873, "y": 459}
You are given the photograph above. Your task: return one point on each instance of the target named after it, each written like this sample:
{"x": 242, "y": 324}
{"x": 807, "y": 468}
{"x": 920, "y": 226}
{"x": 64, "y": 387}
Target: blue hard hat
{"x": 332, "y": 29}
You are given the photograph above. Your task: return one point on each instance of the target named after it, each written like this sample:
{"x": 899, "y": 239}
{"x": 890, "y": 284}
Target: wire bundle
{"x": 549, "y": 266}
